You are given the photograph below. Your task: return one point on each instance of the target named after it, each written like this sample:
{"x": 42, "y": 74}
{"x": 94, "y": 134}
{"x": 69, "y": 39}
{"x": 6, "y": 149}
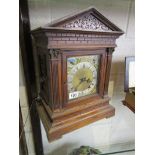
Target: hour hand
{"x": 83, "y": 79}
{"x": 88, "y": 80}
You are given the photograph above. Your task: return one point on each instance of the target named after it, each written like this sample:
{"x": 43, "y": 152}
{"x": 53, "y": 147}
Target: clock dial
{"x": 82, "y": 72}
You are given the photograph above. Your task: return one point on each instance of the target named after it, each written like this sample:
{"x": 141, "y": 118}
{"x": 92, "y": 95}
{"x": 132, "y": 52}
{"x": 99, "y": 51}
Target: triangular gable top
{"x": 89, "y": 20}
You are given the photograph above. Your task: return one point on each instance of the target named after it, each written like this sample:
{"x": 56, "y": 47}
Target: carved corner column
{"x": 109, "y": 53}
{"x": 55, "y": 71}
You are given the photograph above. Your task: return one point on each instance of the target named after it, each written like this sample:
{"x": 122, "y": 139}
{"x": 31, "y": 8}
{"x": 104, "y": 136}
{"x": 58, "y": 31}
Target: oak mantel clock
{"x": 74, "y": 57}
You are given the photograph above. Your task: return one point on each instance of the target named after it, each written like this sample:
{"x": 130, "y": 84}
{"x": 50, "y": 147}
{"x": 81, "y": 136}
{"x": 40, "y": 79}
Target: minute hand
{"x": 81, "y": 81}
{"x": 78, "y": 85}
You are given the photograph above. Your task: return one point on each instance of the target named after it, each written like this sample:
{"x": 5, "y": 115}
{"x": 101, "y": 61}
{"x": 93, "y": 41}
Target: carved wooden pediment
{"x": 89, "y": 19}
{"x": 83, "y": 29}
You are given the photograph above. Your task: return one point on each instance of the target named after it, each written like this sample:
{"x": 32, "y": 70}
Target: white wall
{"x": 119, "y": 129}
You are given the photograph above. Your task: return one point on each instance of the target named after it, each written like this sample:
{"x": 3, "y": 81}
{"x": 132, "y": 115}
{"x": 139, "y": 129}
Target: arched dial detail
{"x": 82, "y": 76}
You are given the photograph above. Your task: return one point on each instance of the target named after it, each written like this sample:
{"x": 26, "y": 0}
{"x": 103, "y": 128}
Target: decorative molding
{"x": 43, "y": 77}
{"x": 87, "y": 22}
{"x": 110, "y": 50}
{"x": 54, "y": 53}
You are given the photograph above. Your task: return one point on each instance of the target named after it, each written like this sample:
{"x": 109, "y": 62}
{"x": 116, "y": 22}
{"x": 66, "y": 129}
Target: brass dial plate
{"x": 82, "y": 75}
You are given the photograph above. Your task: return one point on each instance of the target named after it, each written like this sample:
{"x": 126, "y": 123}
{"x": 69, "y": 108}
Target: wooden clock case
{"x": 85, "y": 33}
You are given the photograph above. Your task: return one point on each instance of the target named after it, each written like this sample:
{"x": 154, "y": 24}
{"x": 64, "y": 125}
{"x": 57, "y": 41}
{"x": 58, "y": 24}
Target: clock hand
{"x": 81, "y": 80}
{"x": 78, "y": 85}
{"x": 88, "y": 80}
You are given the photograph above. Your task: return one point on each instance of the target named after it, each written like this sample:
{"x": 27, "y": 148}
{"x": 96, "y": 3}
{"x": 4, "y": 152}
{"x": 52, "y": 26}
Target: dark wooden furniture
{"x": 129, "y": 100}
{"x": 22, "y": 139}
{"x": 29, "y": 72}
{"x": 82, "y": 34}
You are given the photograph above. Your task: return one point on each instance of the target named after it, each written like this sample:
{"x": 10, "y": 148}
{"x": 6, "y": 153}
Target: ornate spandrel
{"x": 87, "y": 22}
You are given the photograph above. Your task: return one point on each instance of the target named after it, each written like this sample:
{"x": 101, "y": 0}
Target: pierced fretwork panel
{"x": 87, "y": 22}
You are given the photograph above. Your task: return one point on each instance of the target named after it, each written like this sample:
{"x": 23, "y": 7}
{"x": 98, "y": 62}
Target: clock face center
{"x": 82, "y": 76}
